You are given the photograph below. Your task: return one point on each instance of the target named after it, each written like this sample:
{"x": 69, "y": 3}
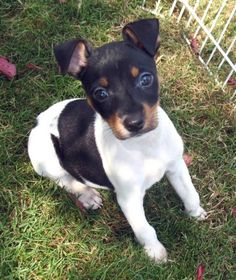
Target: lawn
{"x": 42, "y": 233}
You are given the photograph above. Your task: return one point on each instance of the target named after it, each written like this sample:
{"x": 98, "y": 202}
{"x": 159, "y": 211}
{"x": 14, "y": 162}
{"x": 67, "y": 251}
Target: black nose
{"x": 134, "y": 124}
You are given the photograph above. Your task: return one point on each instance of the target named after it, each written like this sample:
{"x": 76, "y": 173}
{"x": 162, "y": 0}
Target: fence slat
{"x": 181, "y": 14}
{"x": 213, "y": 24}
{"x": 194, "y": 8}
{"x": 172, "y": 7}
{"x": 203, "y": 17}
{"x": 228, "y": 77}
{"x": 227, "y": 52}
{"x": 222, "y": 34}
{"x": 208, "y": 33}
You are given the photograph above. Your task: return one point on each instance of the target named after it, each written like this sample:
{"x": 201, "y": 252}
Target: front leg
{"x": 178, "y": 176}
{"x": 131, "y": 203}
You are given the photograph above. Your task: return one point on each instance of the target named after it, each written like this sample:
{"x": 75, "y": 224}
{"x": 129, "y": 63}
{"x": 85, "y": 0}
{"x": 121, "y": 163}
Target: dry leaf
{"x": 187, "y": 159}
{"x": 234, "y": 211}
{"x": 194, "y": 44}
{"x": 7, "y": 68}
{"x": 231, "y": 82}
{"x": 33, "y": 66}
{"x": 200, "y": 272}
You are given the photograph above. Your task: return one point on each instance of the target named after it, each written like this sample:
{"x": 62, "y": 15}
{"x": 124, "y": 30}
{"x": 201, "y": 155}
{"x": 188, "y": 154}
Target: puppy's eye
{"x": 145, "y": 80}
{"x": 100, "y": 94}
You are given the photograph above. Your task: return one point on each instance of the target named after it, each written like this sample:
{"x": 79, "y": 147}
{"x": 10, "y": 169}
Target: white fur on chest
{"x": 140, "y": 161}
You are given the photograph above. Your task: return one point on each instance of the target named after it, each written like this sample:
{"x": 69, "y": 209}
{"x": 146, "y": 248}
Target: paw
{"x": 91, "y": 199}
{"x": 156, "y": 252}
{"x": 199, "y": 214}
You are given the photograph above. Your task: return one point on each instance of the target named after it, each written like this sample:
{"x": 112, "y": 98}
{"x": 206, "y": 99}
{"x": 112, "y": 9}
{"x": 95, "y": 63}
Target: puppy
{"x": 119, "y": 138}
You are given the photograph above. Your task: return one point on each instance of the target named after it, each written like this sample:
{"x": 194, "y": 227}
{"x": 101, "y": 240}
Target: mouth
{"x": 125, "y": 135}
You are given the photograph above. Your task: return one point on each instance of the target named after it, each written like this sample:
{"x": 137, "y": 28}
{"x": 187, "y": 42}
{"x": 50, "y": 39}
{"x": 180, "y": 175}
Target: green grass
{"x": 42, "y": 234}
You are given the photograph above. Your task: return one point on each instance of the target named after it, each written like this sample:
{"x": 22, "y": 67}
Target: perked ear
{"x": 144, "y": 34}
{"x": 72, "y": 56}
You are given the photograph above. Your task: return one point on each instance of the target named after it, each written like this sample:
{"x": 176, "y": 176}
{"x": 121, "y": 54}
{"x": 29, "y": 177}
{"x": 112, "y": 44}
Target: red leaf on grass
{"x": 194, "y": 44}
{"x": 187, "y": 159}
{"x": 7, "y": 68}
{"x": 62, "y": 1}
{"x": 200, "y": 272}
{"x": 234, "y": 211}
{"x": 33, "y": 66}
{"x": 77, "y": 202}
{"x": 231, "y": 82}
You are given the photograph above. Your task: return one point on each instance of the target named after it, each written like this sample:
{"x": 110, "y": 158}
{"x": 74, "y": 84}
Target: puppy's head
{"x": 120, "y": 78}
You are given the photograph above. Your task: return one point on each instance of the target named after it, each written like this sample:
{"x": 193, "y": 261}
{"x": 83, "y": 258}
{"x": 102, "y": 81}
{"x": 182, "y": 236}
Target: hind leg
{"x": 45, "y": 162}
{"x": 87, "y": 196}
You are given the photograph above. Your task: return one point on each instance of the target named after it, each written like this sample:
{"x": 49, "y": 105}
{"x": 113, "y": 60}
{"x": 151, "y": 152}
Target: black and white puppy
{"x": 119, "y": 138}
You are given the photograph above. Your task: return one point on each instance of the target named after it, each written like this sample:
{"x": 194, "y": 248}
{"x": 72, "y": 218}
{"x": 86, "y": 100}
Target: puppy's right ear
{"x": 72, "y": 56}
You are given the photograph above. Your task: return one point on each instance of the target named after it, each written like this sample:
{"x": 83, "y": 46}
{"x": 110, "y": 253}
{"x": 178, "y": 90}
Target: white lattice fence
{"x": 209, "y": 27}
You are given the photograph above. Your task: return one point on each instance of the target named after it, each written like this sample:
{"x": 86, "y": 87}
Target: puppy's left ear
{"x": 144, "y": 34}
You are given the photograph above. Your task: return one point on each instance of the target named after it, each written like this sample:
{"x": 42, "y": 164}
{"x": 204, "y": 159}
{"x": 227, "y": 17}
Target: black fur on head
{"x": 120, "y": 78}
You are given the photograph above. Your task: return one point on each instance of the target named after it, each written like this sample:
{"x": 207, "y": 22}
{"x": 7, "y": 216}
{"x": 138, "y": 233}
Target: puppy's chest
{"x": 140, "y": 167}
{"x": 149, "y": 170}
{"x": 154, "y": 170}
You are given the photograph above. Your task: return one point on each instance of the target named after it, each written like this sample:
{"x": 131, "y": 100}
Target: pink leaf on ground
{"x": 234, "y": 211}
{"x": 200, "y": 272}
{"x": 194, "y": 44}
{"x": 7, "y": 69}
{"x": 231, "y": 82}
{"x": 62, "y": 1}
{"x": 187, "y": 159}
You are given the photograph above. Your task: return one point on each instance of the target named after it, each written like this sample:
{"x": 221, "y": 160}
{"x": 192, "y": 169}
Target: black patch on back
{"x": 76, "y": 146}
{"x": 56, "y": 145}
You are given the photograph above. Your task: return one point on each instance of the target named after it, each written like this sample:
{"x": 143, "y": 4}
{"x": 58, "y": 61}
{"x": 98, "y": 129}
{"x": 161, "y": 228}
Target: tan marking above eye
{"x": 134, "y": 71}
{"x": 103, "y": 82}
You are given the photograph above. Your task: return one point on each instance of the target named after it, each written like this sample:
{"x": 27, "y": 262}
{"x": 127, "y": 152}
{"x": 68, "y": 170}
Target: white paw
{"x": 91, "y": 199}
{"x": 156, "y": 252}
{"x": 199, "y": 214}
